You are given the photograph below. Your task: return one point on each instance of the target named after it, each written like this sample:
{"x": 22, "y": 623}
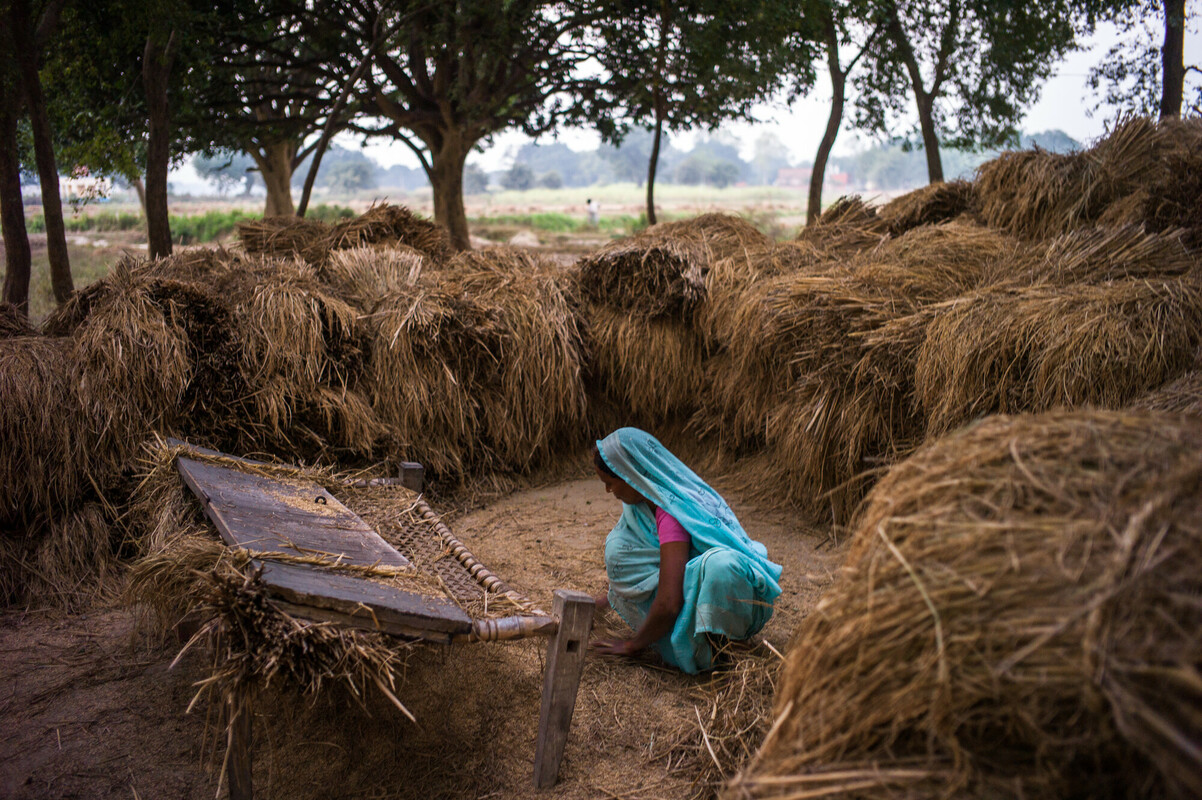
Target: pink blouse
{"x": 669, "y": 529}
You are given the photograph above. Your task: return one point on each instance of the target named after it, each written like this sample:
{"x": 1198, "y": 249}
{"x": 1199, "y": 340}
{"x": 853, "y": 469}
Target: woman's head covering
{"x": 632, "y": 550}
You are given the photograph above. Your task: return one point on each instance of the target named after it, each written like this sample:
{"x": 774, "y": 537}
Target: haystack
{"x": 1182, "y": 396}
{"x": 68, "y": 560}
{"x": 45, "y": 437}
{"x": 1096, "y": 255}
{"x": 1017, "y": 617}
{"x": 362, "y": 275}
{"x": 847, "y": 228}
{"x": 651, "y": 370}
{"x": 14, "y": 322}
{"x": 1143, "y": 172}
{"x": 662, "y": 271}
{"x": 381, "y": 226}
{"x": 929, "y": 205}
{"x": 1042, "y": 347}
{"x": 533, "y": 404}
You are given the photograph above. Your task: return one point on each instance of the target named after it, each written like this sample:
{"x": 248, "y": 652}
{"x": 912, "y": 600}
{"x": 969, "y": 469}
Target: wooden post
{"x": 565, "y": 662}
{"x": 239, "y": 709}
{"x": 413, "y": 476}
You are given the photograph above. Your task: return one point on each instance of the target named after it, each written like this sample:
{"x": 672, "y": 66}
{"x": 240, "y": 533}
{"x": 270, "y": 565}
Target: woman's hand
{"x": 616, "y": 647}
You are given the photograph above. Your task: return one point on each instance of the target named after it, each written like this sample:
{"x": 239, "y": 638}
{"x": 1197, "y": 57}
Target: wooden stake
{"x": 565, "y": 662}
{"x": 237, "y": 751}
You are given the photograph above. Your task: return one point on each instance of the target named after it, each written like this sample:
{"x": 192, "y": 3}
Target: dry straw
{"x": 930, "y": 205}
{"x": 1182, "y": 396}
{"x": 13, "y": 322}
{"x": 1042, "y": 347}
{"x": 1017, "y": 616}
{"x": 847, "y": 228}
{"x": 1143, "y": 172}
{"x": 311, "y": 241}
{"x": 662, "y": 271}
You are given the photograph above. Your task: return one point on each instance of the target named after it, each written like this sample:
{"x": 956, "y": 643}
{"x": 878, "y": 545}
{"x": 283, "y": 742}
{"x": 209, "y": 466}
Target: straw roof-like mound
{"x": 312, "y": 241}
{"x": 662, "y": 271}
{"x": 1018, "y": 616}
{"x": 1042, "y": 347}
{"x": 929, "y": 205}
{"x": 1144, "y": 172}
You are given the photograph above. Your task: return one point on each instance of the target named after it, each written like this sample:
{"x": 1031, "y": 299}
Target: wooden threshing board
{"x": 300, "y": 518}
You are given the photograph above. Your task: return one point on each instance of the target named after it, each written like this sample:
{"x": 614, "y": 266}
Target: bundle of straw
{"x": 845, "y": 229}
{"x": 70, "y": 563}
{"x": 13, "y": 322}
{"x": 311, "y": 241}
{"x": 662, "y": 271}
{"x": 1017, "y": 616}
{"x": 930, "y": 205}
{"x": 1095, "y": 255}
{"x": 46, "y": 440}
{"x": 535, "y": 404}
{"x": 362, "y": 275}
{"x": 1182, "y": 396}
{"x": 1037, "y": 348}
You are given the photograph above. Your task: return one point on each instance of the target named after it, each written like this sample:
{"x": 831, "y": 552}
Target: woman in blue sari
{"x": 679, "y": 564}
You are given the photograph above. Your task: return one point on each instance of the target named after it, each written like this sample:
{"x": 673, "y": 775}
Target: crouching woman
{"x": 681, "y": 569}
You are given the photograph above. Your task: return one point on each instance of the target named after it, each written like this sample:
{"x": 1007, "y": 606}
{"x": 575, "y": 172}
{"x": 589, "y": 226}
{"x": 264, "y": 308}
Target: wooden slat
{"x": 296, "y": 517}
{"x": 364, "y": 603}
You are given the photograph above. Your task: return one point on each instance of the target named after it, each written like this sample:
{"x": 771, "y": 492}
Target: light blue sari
{"x": 729, "y": 583}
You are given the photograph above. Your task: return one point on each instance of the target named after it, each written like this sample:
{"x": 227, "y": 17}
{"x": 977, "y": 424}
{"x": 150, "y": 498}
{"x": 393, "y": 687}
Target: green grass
{"x": 558, "y": 222}
{"x": 210, "y": 226}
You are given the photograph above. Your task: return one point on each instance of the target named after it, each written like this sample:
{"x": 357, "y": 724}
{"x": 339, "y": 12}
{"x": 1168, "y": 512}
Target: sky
{"x": 1063, "y": 104}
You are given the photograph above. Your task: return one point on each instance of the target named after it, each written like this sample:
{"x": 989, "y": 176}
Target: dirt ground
{"x": 91, "y": 708}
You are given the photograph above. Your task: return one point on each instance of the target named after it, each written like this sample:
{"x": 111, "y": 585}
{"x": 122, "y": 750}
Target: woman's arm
{"x": 665, "y": 608}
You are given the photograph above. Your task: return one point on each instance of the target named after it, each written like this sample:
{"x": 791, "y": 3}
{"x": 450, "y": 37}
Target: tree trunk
{"x": 652, "y": 165}
{"x": 12, "y": 209}
{"x": 930, "y": 138}
{"x": 156, "y": 69}
{"x": 43, "y": 145}
{"x": 1173, "y": 59}
{"x": 140, "y": 189}
{"x": 839, "y": 95}
{"x": 275, "y": 167}
{"x": 446, "y": 176}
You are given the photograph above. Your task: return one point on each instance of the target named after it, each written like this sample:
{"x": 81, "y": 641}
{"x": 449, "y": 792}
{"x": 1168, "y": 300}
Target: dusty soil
{"x": 90, "y": 708}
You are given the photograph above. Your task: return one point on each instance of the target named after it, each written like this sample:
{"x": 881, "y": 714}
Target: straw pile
{"x": 930, "y": 205}
{"x": 381, "y": 226}
{"x": 1017, "y": 617}
{"x": 1182, "y": 396}
{"x": 643, "y": 296}
{"x": 662, "y": 271}
{"x": 1037, "y": 348}
{"x": 845, "y": 229}
{"x": 13, "y": 322}
{"x": 1143, "y": 172}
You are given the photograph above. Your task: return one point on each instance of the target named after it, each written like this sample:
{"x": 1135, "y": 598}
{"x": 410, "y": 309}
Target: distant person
{"x": 594, "y": 212}
{"x": 682, "y": 571}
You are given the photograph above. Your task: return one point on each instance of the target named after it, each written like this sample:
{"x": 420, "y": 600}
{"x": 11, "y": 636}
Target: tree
{"x": 31, "y": 31}
{"x": 519, "y": 178}
{"x": 550, "y": 180}
{"x": 475, "y": 181}
{"x": 12, "y": 209}
{"x": 970, "y": 66}
{"x": 351, "y": 176}
{"x": 1138, "y": 75}
{"x": 228, "y": 170}
{"x": 678, "y": 65}
{"x": 844, "y": 24}
{"x": 768, "y": 158}
{"x": 454, "y": 74}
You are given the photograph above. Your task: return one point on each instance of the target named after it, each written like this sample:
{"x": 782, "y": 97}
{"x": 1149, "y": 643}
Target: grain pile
{"x": 1017, "y": 615}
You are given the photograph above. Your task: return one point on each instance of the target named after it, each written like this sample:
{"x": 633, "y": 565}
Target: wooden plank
{"x": 296, "y": 517}
{"x": 369, "y": 604}
{"x": 561, "y": 680}
{"x": 345, "y": 620}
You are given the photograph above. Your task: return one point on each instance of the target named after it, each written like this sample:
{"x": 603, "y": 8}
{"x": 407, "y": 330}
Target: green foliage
{"x": 351, "y": 176}
{"x": 550, "y": 180}
{"x": 207, "y": 227}
{"x": 475, "y": 181}
{"x": 228, "y": 169}
{"x": 330, "y": 214}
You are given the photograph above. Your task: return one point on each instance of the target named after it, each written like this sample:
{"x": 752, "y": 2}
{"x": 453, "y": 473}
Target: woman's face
{"x": 619, "y": 488}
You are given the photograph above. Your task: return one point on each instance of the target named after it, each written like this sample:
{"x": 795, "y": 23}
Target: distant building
{"x": 793, "y": 177}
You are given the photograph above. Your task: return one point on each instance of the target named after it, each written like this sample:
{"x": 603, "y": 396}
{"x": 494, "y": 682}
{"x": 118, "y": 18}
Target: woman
{"x": 679, "y": 564}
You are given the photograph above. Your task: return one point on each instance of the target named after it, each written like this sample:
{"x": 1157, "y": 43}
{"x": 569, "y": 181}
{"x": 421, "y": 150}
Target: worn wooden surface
{"x": 300, "y": 518}
{"x": 365, "y": 603}
{"x": 565, "y": 662}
